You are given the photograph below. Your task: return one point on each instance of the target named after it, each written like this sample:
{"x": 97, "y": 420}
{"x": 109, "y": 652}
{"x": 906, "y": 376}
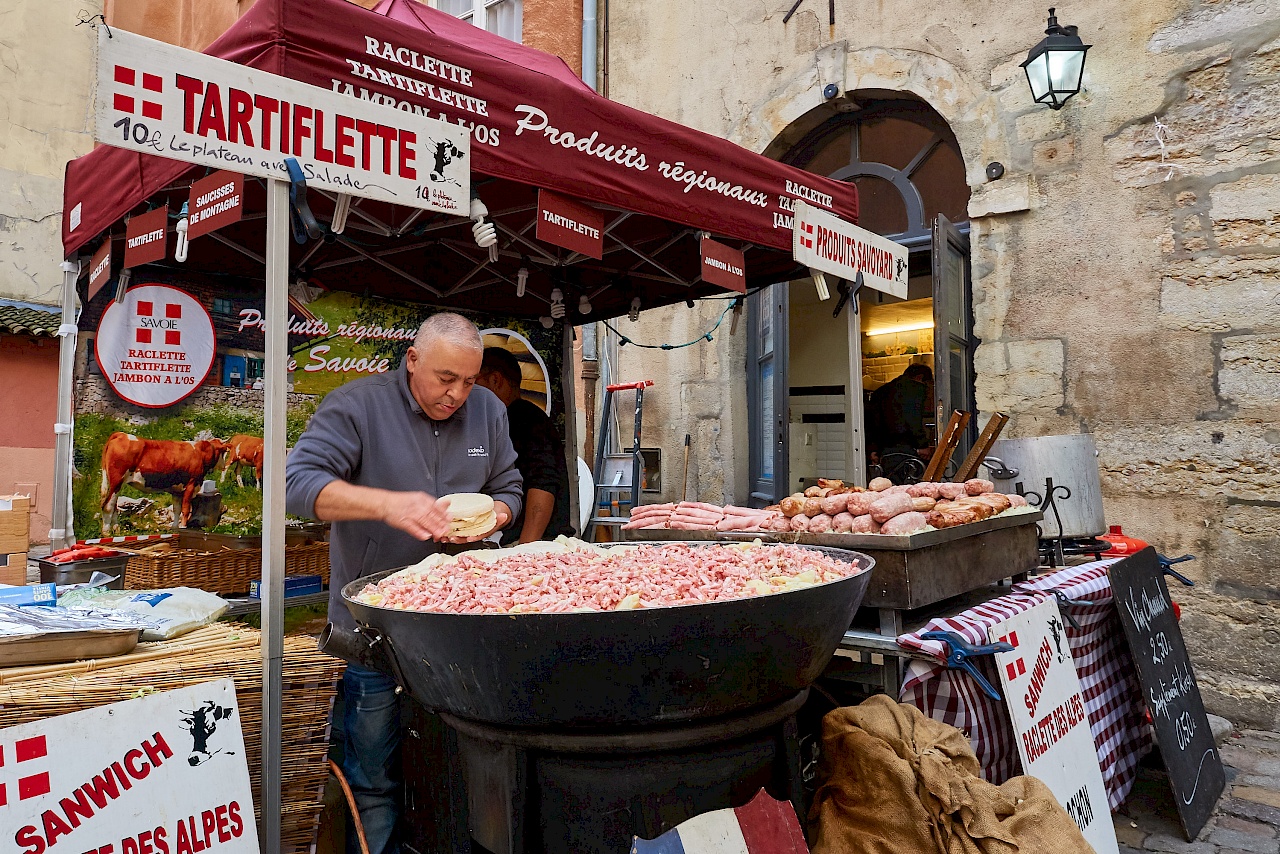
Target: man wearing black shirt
{"x": 539, "y": 454}
{"x": 897, "y": 412}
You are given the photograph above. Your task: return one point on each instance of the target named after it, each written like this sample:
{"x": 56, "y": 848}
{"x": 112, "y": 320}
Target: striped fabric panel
{"x": 763, "y": 826}
{"x": 1108, "y": 681}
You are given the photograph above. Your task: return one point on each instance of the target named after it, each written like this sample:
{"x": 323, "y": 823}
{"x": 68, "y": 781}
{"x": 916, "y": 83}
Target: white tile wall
{"x": 830, "y": 450}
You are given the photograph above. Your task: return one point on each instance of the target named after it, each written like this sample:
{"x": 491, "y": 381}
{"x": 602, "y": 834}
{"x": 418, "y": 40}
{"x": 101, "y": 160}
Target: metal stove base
{"x": 532, "y": 792}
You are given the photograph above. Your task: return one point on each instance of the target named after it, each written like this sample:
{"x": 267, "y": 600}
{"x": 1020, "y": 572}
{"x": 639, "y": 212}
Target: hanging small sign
{"x": 570, "y": 225}
{"x": 1050, "y": 722}
{"x": 216, "y": 201}
{"x": 163, "y": 773}
{"x": 723, "y": 265}
{"x": 146, "y": 237}
{"x": 156, "y": 346}
{"x": 825, "y": 242}
{"x": 100, "y": 268}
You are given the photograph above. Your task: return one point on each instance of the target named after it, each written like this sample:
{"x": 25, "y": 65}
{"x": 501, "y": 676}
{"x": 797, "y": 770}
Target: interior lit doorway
{"x": 806, "y": 408}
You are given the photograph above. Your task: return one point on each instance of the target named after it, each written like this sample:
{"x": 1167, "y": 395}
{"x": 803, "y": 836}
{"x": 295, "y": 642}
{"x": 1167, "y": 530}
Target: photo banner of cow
{"x": 143, "y": 467}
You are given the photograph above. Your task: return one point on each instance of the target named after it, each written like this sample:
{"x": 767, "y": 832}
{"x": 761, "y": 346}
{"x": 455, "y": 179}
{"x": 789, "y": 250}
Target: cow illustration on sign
{"x": 157, "y": 465}
{"x": 1056, "y": 629}
{"x": 202, "y": 722}
{"x": 445, "y": 153}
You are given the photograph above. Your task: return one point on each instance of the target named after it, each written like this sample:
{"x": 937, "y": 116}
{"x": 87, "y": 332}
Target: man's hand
{"x": 502, "y": 514}
{"x": 418, "y": 515}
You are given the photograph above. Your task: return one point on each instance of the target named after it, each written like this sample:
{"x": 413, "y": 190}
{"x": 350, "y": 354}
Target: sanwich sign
{"x": 163, "y": 100}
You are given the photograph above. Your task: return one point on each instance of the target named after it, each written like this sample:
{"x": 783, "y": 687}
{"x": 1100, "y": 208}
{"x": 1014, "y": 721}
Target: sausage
{"x": 865, "y": 525}
{"x": 842, "y": 523}
{"x": 812, "y": 507}
{"x": 799, "y": 522}
{"x": 897, "y": 487}
{"x": 951, "y": 491}
{"x": 922, "y": 504}
{"x": 820, "y": 524}
{"x": 905, "y": 523}
{"x": 886, "y": 507}
{"x": 859, "y": 503}
{"x": 1016, "y": 500}
{"x": 879, "y": 484}
{"x": 923, "y": 490}
{"x": 779, "y": 524}
{"x": 833, "y": 504}
{"x": 978, "y": 486}
{"x": 791, "y": 506}
{"x": 997, "y": 502}
{"x": 813, "y": 492}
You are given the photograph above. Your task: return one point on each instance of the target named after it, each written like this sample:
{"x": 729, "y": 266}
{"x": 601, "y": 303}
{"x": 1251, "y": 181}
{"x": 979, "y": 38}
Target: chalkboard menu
{"x": 1169, "y": 686}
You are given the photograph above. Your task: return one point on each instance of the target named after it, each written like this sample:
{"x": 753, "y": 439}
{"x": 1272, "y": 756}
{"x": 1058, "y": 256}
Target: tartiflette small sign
{"x": 571, "y": 225}
{"x": 146, "y": 237}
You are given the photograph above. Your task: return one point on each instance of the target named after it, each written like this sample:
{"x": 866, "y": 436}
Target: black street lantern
{"x": 1055, "y": 66}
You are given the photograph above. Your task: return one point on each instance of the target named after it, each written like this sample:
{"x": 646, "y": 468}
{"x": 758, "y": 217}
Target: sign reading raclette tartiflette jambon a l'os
{"x": 167, "y": 101}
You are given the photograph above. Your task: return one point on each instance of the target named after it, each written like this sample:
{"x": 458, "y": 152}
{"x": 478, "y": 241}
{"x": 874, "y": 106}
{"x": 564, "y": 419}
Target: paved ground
{"x": 1247, "y": 818}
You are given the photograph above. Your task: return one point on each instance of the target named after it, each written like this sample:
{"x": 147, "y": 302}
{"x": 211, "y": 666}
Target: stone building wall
{"x": 1125, "y": 267}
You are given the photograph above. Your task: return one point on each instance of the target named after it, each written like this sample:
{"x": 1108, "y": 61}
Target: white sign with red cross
{"x": 1050, "y": 722}
{"x": 825, "y": 242}
{"x": 165, "y": 774}
{"x": 156, "y": 346}
{"x": 171, "y": 102}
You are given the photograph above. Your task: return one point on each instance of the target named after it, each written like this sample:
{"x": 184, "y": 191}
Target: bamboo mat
{"x": 218, "y": 651}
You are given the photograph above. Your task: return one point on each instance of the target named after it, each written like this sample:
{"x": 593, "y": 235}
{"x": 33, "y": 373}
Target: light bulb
{"x": 546, "y": 322}
{"x": 522, "y": 279}
{"x": 557, "y": 303}
{"x": 181, "y": 245}
{"x": 634, "y": 314}
{"x": 584, "y": 305}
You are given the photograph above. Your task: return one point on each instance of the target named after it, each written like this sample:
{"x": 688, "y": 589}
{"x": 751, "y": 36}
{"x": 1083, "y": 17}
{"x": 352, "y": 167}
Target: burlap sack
{"x": 892, "y": 781}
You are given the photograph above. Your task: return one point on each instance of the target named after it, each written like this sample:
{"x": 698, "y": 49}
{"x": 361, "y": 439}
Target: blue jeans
{"x": 371, "y": 757}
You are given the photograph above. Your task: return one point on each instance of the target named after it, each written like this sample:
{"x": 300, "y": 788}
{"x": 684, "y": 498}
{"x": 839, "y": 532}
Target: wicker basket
{"x": 224, "y": 572}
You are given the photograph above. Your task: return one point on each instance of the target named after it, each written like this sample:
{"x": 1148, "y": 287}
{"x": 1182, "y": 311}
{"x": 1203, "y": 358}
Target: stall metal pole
{"x": 60, "y": 534}
{"x": 854, "y": 415}
{"x": 277, "y": 343}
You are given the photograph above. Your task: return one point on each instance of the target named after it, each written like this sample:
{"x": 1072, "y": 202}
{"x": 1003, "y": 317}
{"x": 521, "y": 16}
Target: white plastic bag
{"x": 168, "y": 613}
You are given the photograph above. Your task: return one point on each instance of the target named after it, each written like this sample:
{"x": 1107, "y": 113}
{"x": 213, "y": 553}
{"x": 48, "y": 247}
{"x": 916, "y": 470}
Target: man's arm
{"x": 325, "y": 458}
{"x": 538, "y": 507}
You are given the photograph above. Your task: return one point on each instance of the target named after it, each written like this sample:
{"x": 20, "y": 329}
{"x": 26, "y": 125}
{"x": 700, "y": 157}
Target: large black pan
{"x": 606, "y": 669}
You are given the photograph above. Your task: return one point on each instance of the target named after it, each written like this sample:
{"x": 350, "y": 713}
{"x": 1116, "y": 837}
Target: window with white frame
{"x": 502, "y": 17}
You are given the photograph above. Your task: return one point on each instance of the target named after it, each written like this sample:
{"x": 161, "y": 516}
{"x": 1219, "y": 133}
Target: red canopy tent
{"x": 534, "y": 125}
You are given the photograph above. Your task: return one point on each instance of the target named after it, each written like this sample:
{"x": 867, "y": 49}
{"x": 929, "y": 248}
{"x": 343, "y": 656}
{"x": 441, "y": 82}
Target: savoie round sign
{"x": 156, "y": 347}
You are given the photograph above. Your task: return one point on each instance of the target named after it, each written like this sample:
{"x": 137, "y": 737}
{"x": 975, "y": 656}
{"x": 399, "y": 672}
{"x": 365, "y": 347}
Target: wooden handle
{"x": 947, "y": 445}
{"x": 969, "y": 468}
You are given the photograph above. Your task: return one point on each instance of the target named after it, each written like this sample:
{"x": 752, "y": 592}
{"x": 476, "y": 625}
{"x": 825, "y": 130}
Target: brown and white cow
{"x": 244, "y": 450}
{"x": 155, "y": 464}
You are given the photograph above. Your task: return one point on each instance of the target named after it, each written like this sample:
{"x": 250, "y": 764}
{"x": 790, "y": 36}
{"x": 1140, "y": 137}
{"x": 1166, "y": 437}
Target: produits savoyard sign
{"x": 164, "y": 774}
{"x": 163, "y": 100}
{"x": 825, "y": 242}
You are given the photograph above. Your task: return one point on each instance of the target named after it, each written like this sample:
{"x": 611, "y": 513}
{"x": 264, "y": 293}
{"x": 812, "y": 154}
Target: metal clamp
{"x": 301, "y": 218}
{"x": 1063, "y": 602}
{"x": 847, "y": 294}
{"x": 959, "y": 651}
{"x": 375, "y": 637}
{"x": 1166, "y": 566}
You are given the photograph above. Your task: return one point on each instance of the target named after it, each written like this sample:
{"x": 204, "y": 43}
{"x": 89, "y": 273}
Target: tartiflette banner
{"x": 159, "y": 99}
{"x": 531, "y": 120}
{"x": 570, "y": 225}
{"x": 723, "y": 265}
{"x": 100, "y": 268}
{"x": 216, "y": 201}
{"x": 146, "y": 237}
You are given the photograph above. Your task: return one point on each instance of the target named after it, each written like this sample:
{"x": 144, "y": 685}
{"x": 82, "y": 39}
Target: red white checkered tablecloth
{"x": 1108, "y": 682}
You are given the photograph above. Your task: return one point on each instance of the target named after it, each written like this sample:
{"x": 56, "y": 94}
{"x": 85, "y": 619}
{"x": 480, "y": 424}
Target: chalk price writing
{"x": 139, "y": 132}
{"x": 1186, "y": 729}
{"x": 1160, "y": 647}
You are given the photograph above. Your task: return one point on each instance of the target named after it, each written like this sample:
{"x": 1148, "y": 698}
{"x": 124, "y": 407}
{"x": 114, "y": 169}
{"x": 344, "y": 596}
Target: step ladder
{"x": 610, "y": 484}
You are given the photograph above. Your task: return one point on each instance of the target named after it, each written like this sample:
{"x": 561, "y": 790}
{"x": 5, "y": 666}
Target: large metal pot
{"x": 618, "y": 668}
{"x": 1072, "y": 462}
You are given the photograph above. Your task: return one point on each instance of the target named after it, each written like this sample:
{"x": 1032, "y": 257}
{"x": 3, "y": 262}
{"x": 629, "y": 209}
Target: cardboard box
{"x": 15, "y": 523}
{"x": 14, "y": 570}
{"x": 33, "y": 594}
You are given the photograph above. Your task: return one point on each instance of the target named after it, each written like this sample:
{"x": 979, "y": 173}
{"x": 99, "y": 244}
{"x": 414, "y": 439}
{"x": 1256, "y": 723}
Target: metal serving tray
{"x": 917, "y": 570}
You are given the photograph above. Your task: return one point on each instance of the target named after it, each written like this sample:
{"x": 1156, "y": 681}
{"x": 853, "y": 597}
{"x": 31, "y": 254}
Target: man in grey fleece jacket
{"x": 372, "y": 459}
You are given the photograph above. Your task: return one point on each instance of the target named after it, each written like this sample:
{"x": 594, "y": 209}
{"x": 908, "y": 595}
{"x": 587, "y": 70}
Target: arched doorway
{"x": 805, "y": 401}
